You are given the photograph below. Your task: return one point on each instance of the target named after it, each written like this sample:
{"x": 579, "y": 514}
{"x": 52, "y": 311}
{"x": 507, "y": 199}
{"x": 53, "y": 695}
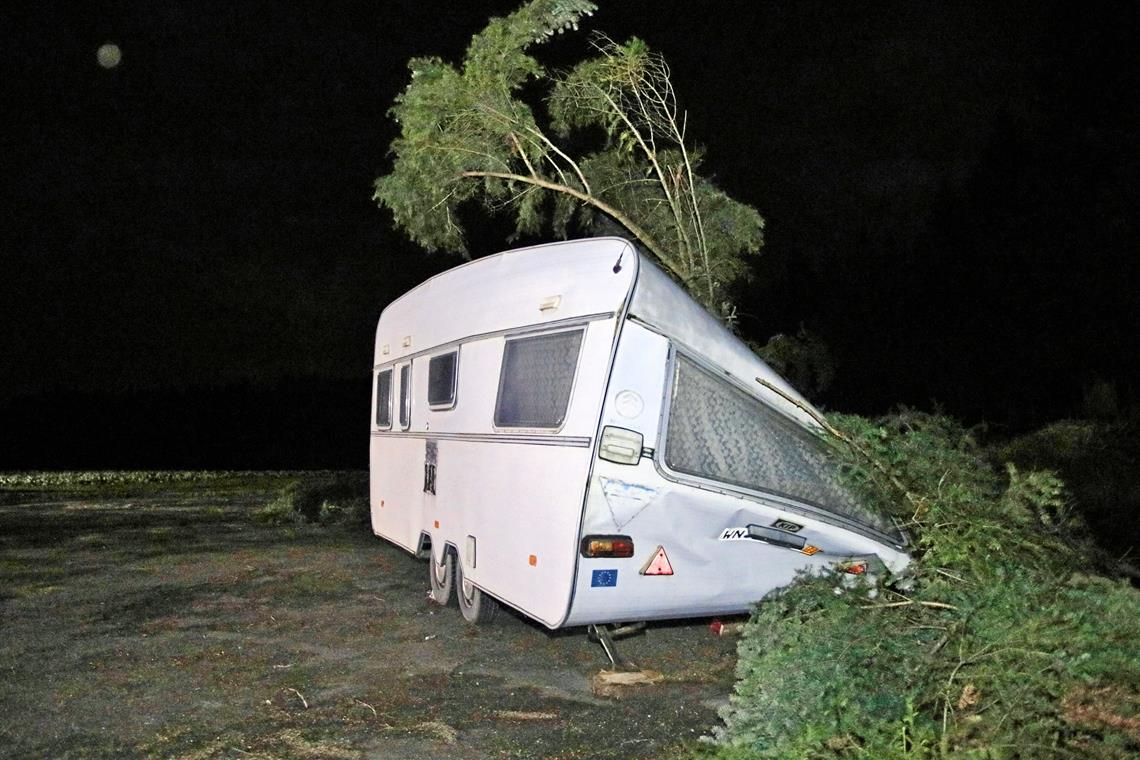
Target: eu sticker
{"x": 604, "y": 578}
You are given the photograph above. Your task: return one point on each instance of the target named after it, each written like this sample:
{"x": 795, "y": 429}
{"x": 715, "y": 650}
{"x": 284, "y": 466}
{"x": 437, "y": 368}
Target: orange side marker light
{"x": 532, "y": 560}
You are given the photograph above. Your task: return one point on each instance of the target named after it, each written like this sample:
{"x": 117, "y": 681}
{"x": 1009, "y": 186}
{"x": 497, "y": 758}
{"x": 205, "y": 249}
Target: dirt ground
{"x": 171, "y": 625}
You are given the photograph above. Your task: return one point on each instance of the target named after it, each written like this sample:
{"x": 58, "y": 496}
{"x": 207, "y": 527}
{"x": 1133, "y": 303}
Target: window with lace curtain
{"x": 536, "y": 379}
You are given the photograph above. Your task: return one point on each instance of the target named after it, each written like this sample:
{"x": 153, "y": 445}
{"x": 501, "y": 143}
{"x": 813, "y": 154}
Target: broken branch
{"x": 301, "y": 696}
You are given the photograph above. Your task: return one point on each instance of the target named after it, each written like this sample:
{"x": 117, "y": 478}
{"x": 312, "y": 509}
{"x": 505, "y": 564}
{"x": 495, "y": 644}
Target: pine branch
{"x": 638, "y": 232}
{"x": 854, "y": 445}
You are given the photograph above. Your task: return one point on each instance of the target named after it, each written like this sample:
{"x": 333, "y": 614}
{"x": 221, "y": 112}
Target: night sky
{"x": 193, "y": 266}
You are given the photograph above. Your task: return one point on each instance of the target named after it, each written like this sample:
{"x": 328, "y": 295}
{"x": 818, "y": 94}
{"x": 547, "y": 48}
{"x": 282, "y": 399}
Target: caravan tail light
{"x": 607, "y": 546}
{"x": 620, "y": 445}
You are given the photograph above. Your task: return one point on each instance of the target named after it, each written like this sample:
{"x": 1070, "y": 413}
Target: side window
{"x": 442, "y": 377}
{"x": 384, "y": 399}
{"x": 405, "y": 396}
{"x": 536, "y": 378}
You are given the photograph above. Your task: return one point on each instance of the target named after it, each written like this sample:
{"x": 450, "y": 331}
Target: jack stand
{"x": 605, "y": 636}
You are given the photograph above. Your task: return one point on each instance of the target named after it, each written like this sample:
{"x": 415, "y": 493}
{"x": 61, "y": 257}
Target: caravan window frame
{"x": 453, "y": 399}
{"x": 387, "y": 402}
{"x": 528, "y": 335}
{"x": 783, "y": 501}
{"x": 405, "y": 395}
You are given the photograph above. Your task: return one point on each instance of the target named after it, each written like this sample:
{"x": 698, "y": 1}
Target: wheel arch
{"x": 425, "y": 545}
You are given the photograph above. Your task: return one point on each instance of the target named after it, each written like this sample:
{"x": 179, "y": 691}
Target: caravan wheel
{"x": 476, "y": 606}
{"x": 441, "y": 575}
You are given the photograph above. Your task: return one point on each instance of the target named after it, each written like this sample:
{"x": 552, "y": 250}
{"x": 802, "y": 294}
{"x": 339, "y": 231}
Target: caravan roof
{"x": 576, "y": 278}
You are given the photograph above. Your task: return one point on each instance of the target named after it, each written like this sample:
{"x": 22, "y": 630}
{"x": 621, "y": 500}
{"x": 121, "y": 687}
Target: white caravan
{"x": 564, "y": 430}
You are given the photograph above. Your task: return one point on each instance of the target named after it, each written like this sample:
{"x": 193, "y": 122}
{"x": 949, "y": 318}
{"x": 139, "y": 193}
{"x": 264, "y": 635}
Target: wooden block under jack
{"x": 613, "y": 683}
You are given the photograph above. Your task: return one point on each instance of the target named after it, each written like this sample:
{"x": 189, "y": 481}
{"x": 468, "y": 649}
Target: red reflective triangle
{"x": 659, "y": 564}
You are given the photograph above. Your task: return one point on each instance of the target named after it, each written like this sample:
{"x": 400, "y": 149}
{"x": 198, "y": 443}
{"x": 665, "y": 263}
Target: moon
{"x": 109, "y": 55}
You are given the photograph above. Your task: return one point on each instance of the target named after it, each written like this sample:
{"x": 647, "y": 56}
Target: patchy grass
{"x": 170, "y": 624}
{"x": 326, "y": 497}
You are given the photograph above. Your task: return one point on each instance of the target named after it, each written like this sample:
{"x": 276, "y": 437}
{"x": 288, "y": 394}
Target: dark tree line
{"x": 300, "y": 423}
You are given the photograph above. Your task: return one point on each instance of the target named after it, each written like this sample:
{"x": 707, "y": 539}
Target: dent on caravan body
{"x": 564, "y": 430}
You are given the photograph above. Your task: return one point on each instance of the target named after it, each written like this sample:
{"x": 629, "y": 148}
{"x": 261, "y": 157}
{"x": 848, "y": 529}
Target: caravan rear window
{"x": 537, "y": 376}
{"x": 719, "y": 432}
{"x": 384, "y": 399}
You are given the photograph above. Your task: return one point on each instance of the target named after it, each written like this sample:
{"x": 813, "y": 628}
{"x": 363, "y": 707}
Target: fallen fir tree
{"x": 997, "y": 644}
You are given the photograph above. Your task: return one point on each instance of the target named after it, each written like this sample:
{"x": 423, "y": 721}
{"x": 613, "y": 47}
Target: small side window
{"x": 384, "y": 399}
{"x": 405, "y": 396}
{"x": 442, "y": 377}
{"x": 536, "y": 379}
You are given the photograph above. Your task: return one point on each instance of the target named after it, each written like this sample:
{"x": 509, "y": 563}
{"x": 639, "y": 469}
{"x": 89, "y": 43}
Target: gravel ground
{"x": 171, "y": 625}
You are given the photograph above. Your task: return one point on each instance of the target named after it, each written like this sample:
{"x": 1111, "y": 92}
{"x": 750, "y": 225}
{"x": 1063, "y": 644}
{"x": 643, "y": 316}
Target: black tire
{"x": 441, "y": 576}
{"x": 477, "y": 608}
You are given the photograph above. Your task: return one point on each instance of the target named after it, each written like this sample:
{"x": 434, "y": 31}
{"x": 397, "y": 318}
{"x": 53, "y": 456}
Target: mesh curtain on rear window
{"x": 719, "y": 432}
{"x": 537, "y": 376}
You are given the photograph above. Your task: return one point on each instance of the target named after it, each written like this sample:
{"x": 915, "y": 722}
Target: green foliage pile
{"x": 1099, "y": 460}
{"x": 997, "y": 643}
{"x": 322, "y": 498}
{"x": 804, "y": 360}
{"x": 604, "y": 141}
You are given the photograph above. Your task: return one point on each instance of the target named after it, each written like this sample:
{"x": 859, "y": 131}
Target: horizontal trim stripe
{"x": 578, "y": 442}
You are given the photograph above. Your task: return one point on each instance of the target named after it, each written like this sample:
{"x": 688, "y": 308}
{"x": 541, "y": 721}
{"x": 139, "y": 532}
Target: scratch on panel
{"x": 625, "y": 500}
